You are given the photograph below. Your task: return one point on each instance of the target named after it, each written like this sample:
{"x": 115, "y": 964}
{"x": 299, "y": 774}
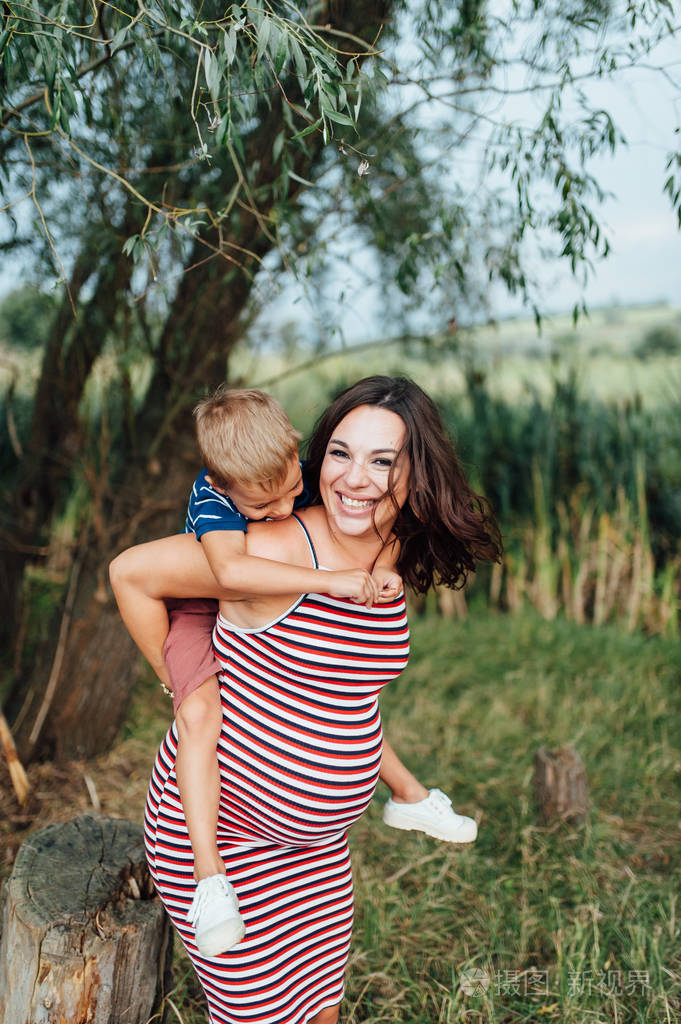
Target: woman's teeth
{"x": 355, "y": 503}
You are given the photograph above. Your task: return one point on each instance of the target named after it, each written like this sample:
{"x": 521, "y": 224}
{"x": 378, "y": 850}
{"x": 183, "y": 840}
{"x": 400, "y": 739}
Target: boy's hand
{"x": 388, "y": 583}
{"x": 357, "y": 585}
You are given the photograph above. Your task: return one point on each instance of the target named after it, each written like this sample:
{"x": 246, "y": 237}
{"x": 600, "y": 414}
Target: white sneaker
{"x": 214, "y": 912}
{"x": 435, "y": 816}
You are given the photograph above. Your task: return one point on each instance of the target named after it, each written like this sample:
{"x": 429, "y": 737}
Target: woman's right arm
{"x": 143, "y": 576}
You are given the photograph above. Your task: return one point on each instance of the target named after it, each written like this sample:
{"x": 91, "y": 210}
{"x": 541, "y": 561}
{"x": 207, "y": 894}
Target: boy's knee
{"x": 201, "y": 711}
{"x": 118, "y": 570}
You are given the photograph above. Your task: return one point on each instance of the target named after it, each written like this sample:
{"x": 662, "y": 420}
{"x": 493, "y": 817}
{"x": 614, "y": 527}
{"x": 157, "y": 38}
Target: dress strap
{"x": 308, "y": 538}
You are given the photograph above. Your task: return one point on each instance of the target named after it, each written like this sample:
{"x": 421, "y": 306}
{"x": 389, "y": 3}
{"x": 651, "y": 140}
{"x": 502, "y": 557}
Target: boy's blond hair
{"x": 244, "y": 437}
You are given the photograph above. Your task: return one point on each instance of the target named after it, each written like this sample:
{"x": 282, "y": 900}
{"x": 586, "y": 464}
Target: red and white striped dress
{"x": 299, "y": 755}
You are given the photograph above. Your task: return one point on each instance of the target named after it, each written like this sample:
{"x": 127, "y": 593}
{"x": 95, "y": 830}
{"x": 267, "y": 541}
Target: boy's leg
{"x": 189, "y": 656}
{"x": 199, "y": 719}
{"x": 414, "y": 808}
{"x": 191, "y": 663}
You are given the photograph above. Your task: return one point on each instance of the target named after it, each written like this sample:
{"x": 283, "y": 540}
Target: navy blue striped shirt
{"x": 210, "y": 510}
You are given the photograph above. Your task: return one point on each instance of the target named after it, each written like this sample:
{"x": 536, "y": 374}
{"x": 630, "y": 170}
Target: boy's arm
{"x": 243, "y": 574}
{"x": 221, "y": 528}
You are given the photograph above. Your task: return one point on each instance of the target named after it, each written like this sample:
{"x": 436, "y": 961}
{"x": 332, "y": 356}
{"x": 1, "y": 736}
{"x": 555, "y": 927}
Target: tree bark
{"x": 56, "y": 434}
{"x": 560, "y": 785}
{"x": 84, "y": 938}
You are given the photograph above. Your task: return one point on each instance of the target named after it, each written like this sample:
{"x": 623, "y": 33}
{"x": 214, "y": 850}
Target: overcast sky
{"x": 645, "y": 263}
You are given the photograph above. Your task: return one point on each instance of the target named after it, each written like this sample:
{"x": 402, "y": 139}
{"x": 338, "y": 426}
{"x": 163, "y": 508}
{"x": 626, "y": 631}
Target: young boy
{"x": 252, "y": 472}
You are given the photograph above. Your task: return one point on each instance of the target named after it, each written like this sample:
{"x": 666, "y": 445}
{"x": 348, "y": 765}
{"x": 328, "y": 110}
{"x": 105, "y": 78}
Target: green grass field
{"x": 573, "y": 925}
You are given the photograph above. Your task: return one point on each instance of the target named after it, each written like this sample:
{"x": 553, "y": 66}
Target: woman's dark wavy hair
{"x": 444, "y": 528}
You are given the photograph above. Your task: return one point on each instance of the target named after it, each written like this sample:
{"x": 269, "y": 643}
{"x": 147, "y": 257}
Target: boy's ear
{"x": 215, "y": 486}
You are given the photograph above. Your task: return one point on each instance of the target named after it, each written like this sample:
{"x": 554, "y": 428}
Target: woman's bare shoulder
{"x": 282, "y": 541}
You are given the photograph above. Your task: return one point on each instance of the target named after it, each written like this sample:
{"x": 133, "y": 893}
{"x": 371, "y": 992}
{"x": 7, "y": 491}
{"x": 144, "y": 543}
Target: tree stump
{"x": 84, "y": 938}
{"x": 560, "y": 785}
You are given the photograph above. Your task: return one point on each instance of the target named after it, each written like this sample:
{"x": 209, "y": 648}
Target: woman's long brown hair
{"x": 444, "y": 527}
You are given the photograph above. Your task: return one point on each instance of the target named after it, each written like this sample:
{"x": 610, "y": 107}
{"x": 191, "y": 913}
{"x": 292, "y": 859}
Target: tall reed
{"x": 588, "y": 498}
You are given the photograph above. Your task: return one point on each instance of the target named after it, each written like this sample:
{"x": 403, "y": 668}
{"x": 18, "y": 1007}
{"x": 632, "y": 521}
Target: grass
{"x": 574, "y": 925}
{"x": 569, "y": 925}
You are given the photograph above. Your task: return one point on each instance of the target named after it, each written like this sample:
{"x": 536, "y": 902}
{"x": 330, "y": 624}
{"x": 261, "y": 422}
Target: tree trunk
{"x": 77, "y": 694}
{"x": 560, "y": 785}
{"x": 84, "y": 938}
{"x": 56, "y": 433}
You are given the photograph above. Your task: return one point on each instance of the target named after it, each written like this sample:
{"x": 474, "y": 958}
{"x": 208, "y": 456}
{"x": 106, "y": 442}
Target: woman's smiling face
{"x": 363, "y": 449}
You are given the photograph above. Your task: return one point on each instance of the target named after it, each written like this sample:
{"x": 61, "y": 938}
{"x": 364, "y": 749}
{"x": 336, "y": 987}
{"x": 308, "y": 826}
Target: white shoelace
{"x": 206, "y": 891}
{"x": 439, "y": 801}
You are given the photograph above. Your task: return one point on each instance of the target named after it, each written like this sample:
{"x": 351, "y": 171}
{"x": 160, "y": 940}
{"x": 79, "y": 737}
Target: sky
{"x": 644, "y": 265}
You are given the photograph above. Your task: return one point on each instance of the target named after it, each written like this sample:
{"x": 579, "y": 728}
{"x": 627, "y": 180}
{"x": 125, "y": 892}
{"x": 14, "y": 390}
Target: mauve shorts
{"x": 188, "y": 650}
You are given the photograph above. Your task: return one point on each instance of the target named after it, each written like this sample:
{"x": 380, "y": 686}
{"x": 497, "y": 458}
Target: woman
{"x": 300, "y": 748}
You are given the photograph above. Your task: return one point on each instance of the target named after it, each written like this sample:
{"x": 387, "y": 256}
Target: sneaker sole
{"x": 221, "y": 938}
{"x": 411, "y": 826}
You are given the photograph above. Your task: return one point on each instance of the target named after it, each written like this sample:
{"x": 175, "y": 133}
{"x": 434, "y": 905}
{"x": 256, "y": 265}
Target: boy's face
{"x": 258, "y": 502}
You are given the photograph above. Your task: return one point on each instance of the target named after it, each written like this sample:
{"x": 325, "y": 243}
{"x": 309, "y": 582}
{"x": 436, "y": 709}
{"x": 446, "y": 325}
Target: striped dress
{"x": 299, "y": 756}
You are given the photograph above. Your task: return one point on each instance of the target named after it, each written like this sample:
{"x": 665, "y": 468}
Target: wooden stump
{"x": 560, "y": 785}
{"x": 84, "y": 939}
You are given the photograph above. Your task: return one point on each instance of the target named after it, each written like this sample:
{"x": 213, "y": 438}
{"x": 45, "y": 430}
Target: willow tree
{"x": 171, "y": 155}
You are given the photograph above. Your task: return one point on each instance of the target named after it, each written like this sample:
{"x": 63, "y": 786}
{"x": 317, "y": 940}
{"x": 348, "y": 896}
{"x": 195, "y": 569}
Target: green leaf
{"x": 50, "y": 71}
{"x": 274, "y": 39}
{"x": 308, "y": 131}
{"x": 42, "y": 44}
{"x": 309, "y": 91}
{"x": 118, "y": 39}
{"x": 63, "y": 119}
{"x": 335, "y": 115}
{"x": 211, "y": 68}
{"x": 130, "y": 244}
{"x": 229, "y": 44}
{"x": 224, "y": 128}
{"x": 259, "y": 77}
{"x": 240, "y": 108}
{"x": 358, "y": 104}
{"x": 324, "y": 58}
{"x": 69, "y": 97}
{"x": 263, "y": 30}
{"x": 303, "y": 181}
{"x": 282, "y": 54}
{"x": 298, "y": 57}
{"x": 277, "y": 146}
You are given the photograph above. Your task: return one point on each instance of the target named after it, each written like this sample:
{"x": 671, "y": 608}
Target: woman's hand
{"x": 356, "y": 585}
